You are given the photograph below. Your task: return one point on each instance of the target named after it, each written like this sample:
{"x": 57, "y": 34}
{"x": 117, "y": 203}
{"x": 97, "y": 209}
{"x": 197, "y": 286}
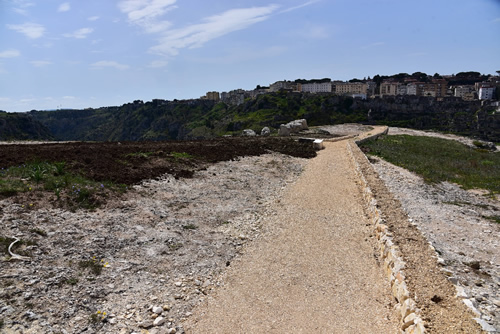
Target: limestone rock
{"x": 159, "y": 321}
{"x": 293, "y": 127}
{"x": 265, "y": 132}
{"x": 157, "y": 309}
{"x": 284, "y": 130}
{"x": 249, "y": 133}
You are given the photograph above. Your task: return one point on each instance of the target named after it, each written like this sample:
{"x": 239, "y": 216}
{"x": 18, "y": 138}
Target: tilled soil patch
{"x": 130, "y": 162}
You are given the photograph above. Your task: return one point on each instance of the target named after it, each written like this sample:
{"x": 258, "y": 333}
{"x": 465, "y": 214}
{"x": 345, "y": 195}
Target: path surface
{"x": 313, "y": 271}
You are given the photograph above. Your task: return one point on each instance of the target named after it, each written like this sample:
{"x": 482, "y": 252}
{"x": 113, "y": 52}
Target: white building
{"x": 317, "y": 87}
{"x": 486, "y": 92}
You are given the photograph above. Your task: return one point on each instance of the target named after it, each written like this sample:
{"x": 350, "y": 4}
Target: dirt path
{"x": 315, "y": 269}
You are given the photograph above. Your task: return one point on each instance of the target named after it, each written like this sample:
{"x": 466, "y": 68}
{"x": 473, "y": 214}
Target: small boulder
{"x": 284, "y": 130}
{"x": 249, "y": 133}
{"x": 265, "y": 132}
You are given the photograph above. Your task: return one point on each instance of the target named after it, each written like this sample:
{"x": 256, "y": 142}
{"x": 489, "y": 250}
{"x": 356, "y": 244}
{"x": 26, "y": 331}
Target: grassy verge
{"x": 438, "y": 160}
{"x": 71, "y": 190}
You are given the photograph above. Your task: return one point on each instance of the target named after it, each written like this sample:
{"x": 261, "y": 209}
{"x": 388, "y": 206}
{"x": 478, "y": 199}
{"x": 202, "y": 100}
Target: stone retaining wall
{"x": 410, "y": 321}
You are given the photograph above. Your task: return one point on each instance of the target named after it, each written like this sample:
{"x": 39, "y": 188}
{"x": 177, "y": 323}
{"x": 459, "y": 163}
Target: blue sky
{"x": 92, "y": 53}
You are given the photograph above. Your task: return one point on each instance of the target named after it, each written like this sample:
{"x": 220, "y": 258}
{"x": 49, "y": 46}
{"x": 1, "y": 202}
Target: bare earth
{"x": 268, "y": 243}
{"x": 314, "y": 270}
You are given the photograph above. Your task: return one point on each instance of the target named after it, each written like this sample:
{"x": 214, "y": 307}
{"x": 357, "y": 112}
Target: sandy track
{"x": 315, "y": 270}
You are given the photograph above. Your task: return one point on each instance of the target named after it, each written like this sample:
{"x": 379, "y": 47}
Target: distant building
{"x": 259, "y": 91}
{"x": 415, "y": 88}
{"x": 234, "y": 97}
{"x": 439, "y": 86}
{"x": 350, "y": 88}
{"x": 213, "y": 96}
{"x": 402, "y": 90}
{"x": 486, "y": 92}
{"x": 282, "y": 85}
{"x": 389, "y": 88}
{"x": 317, "y": 87}
{"x": 461, "y": 91}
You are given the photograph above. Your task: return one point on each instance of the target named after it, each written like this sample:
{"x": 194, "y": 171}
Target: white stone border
{"x": 410, "y": 321}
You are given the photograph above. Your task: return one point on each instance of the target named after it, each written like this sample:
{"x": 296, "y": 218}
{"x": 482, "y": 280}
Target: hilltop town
{"x": 468, "y": 86}
{"x": 466, "y": 103}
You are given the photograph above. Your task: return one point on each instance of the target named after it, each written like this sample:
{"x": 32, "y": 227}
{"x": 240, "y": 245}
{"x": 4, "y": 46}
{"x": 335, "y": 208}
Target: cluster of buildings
{"x": 437, "y": 88}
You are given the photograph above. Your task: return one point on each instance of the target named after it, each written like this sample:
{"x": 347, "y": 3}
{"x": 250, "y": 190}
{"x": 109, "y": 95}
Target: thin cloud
{"x": 93, "y": 18}
{"x": 145, "y": 13}
{"x": 158, "y": 63}
{"x": 64, "y": 7}
{"x": 21, "y": 7}
{"x": 11, "y": 53}
{"x": 80, "y": 33}
{"x": 40, "y": 63}
{"x": 497, "y": 20}
{"x": 30, "y": 30}
{"x": 23, "y": 3}
{"x": 197, "y": 35}
{"x": 299, "y": 6}
{"x": 141, "y": 9}
{"x": 106, "y": 63}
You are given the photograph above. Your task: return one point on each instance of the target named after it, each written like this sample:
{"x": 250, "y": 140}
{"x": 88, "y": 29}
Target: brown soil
{"x": 122, "y": 162}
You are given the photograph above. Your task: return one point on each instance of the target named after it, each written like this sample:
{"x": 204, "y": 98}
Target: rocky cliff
{"x": 425, "y": 113}
{"x": 197, "y": 119}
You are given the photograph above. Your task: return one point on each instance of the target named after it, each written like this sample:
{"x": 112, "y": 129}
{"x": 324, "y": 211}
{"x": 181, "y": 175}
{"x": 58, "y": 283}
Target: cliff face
{"x": 449, "y": 115}
{"x": 20, "y": 126}
{"x": 132, "y": 121}
{"x": 196, "y": 119}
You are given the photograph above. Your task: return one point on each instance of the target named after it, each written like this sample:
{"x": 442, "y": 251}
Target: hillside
{"x": 20, "y": 126}
{"x": 197, "y": 119}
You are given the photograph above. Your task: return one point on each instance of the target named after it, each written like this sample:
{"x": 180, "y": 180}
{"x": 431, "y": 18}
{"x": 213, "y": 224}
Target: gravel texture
{"x": 259, "y": 235}
{"x": 165, "y": 243}
{"x": 314, "y": 270}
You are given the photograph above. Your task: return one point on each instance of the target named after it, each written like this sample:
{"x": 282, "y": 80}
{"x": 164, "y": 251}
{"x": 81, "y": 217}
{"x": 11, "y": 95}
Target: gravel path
{"x": 314, "y": 270}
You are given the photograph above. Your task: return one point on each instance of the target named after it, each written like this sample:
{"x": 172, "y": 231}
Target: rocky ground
{"x": 461, "y": 226}
{"x": 145, "y": 258}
